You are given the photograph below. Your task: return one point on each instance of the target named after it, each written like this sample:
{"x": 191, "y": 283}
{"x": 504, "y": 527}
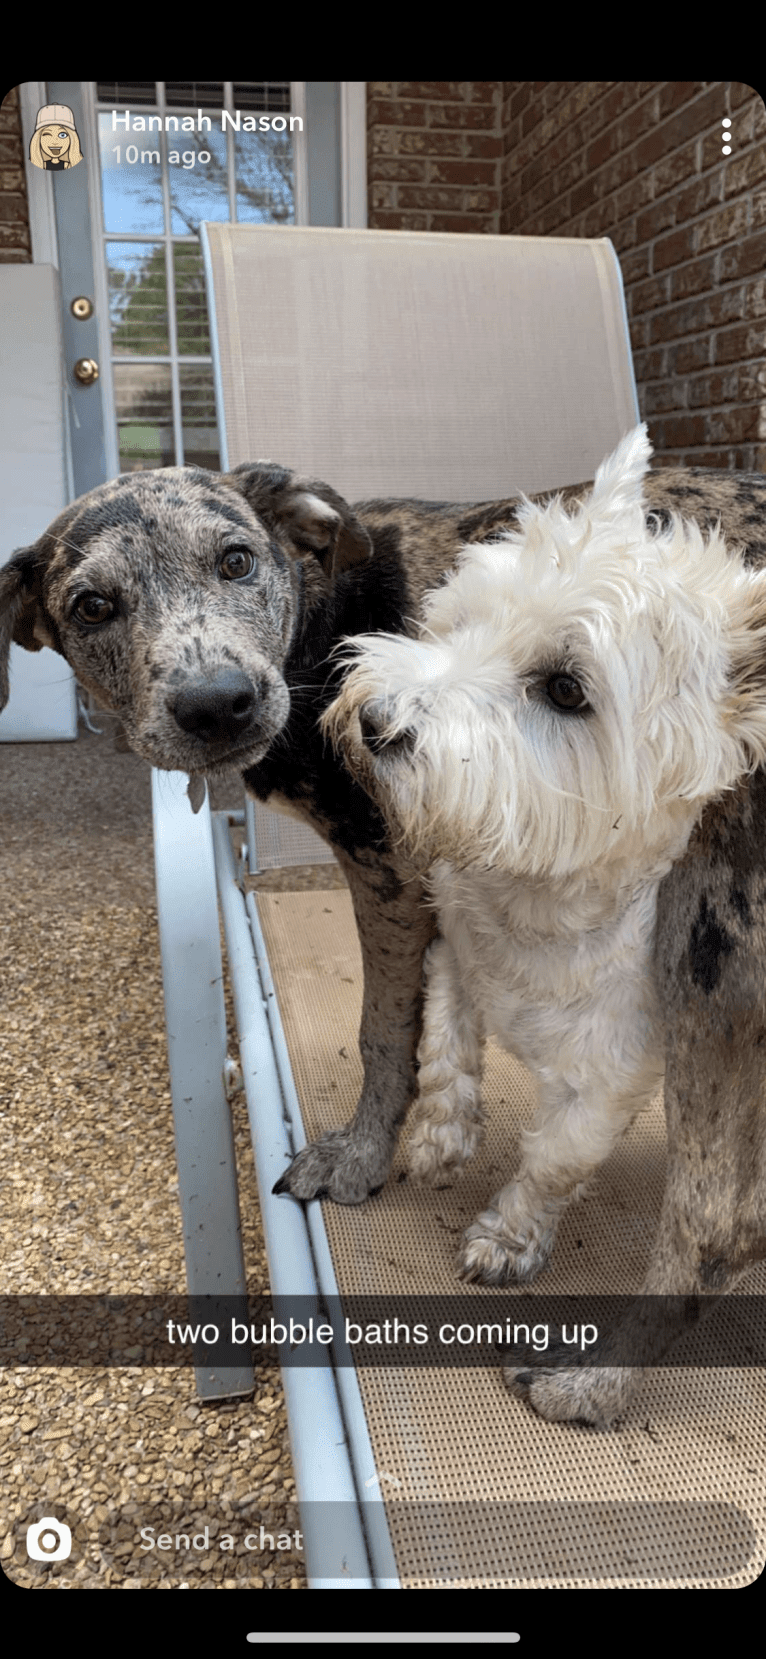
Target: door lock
{"x": 86, "y": 370}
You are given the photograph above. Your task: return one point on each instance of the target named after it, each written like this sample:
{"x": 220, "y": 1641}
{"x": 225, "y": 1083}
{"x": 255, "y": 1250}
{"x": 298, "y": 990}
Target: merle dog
{"x": 204, "y": 609}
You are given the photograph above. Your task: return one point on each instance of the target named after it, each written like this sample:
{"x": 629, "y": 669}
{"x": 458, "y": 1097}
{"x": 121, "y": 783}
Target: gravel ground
{"x": 90, "y": 1191}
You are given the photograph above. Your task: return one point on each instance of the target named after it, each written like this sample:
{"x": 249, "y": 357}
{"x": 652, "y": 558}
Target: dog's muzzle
{"x": 221, "y": 709}
{"x": 373, "y": 720}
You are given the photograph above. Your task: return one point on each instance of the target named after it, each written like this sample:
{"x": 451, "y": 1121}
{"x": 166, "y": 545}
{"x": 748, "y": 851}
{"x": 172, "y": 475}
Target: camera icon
{"x": 49, "y": 1540}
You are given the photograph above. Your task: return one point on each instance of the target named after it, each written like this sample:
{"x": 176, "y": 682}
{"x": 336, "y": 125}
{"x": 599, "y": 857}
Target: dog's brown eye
{"x": 566, "y": 692}
{"x": 92, "y": 607}
{"x": 235, "y": 564}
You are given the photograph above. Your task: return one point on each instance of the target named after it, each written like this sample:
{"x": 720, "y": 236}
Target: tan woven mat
{"x": 482, "y": 1492}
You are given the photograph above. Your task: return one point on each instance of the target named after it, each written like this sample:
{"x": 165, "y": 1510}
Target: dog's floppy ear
{"x": 21, "y": 617}
{"x": 312, "y": 516}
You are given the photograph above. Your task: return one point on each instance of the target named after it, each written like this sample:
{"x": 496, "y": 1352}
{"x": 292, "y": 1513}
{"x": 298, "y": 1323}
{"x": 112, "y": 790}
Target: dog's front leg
{"x": 450, "y": 1117}
{"x": 395, "y": 928}
{"x": 513, "y": 1238}
{"x": 712, "y": 1227}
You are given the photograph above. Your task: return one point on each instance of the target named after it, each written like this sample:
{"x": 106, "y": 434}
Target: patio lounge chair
{"x": 461, "y": 368}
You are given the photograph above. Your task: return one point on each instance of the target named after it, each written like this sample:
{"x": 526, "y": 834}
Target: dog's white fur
{"x": 547, "y": 830}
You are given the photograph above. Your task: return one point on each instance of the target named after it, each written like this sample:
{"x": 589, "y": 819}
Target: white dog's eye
{"x": 566, "y": 693}
{"x": 237, "y": 563}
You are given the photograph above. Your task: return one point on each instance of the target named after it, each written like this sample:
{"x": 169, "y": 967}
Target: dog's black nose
{"x": 219, "y": 708}
{"x": 373, "y": 718}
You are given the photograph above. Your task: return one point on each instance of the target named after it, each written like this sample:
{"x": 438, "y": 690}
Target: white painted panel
{"x": 42, "y": 704}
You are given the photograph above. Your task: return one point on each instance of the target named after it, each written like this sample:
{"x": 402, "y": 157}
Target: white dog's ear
{"x": 747, "y": 709}
{"x": 620, "y": 478}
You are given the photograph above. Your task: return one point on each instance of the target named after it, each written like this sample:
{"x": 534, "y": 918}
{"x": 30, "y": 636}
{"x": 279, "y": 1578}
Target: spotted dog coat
{"x": 203, "y": 609}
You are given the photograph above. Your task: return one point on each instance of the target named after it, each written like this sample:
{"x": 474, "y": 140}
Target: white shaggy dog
{"x": 582, "y": 687}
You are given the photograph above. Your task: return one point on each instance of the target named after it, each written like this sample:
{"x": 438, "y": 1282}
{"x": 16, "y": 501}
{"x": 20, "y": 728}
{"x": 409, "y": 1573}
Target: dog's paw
{"x": 336, "y": 1167}
{"x": 437, "y": 1153}
{"x": 588, "y": 1394}
{"x": 497, "y": 1255}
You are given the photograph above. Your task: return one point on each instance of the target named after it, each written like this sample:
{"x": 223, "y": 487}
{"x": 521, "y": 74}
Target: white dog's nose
{"x": 373, "y": 720}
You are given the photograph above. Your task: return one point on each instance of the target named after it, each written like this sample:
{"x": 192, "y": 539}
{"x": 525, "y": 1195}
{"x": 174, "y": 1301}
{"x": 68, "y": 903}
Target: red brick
{"x": 606, "y": 145}
{"x": 740, "y": 93}
{"x": 697, "y": 197}
{"x": 632, "y": 198}
{"x": 386, "y": 112}
{"x": 745, "y": 258}
{"x": 743, "y": 172}
{"x": 399, "y": 170}
{"x": 642, "y": 119}
{"x": 443, "y": 90}
{"x": 635, "y": 266}
{"x": 691, "y": 355}
{"x": 383, "y": 195}
{"x": 695, "y": 278}
{"x": 707, "y": 390}
{"x": 400, "y": 221}
{"x": 461, "y": 116}
{"x": 650, "y": 365}
{"x": 673, "y": 250}
{"x": 599, "y": 220}
{"x": 639, "y": 334}
{"x": 659, "y": 459}
{"x": 519, "y": 99}
{"x": 675, "y": 93}
{"x": 684, "y": 430}
{"x": 754, "y": 299}
{"x": 585, "y": 194}
{"x": 428, "y": 142}
{"x": 484, "y": 92}
{"x": 671, "y": 171}
{"x": 13, "y": 209}
{"x": 733, "y": 426}
{"x": 619, "y": 98}
{"x": 724, "y": 226}
{"x": 679, "y": 320}
{"x": 456, "y": 222}
{"x": 671, "y": 134}
{"x": 463, "y": 172}
{"x": 667, "y": 395}
{"x": 429, "y": 197}
{"x": 530, "y": 117}
{"x": 655, "y": 219}
{"x": 738, "y": 344}
{"x": 481, "y": 144}
{"x": 567, "y": 176}
{"x": 648, "y": 296}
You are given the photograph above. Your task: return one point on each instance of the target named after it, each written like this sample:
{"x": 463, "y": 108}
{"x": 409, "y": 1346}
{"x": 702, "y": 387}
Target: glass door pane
{"x": 169, "y": 160}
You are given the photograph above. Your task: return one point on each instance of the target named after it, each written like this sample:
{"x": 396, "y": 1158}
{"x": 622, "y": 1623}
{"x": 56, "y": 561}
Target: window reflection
{"x": 157, "y": 188}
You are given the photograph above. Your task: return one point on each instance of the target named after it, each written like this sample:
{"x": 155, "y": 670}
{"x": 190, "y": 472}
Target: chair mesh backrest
{"x": 447, "y": 367}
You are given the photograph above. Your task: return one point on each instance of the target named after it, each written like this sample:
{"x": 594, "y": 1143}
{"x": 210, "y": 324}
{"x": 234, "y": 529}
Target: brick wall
{"x": 434, "y": 155}
{"x": 15, "y": 244}
{"x": 639, "y": 162}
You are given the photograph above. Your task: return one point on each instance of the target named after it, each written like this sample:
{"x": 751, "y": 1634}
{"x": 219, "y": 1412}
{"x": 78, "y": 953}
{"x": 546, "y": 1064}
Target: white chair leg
{"x": 192, "y": 974}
